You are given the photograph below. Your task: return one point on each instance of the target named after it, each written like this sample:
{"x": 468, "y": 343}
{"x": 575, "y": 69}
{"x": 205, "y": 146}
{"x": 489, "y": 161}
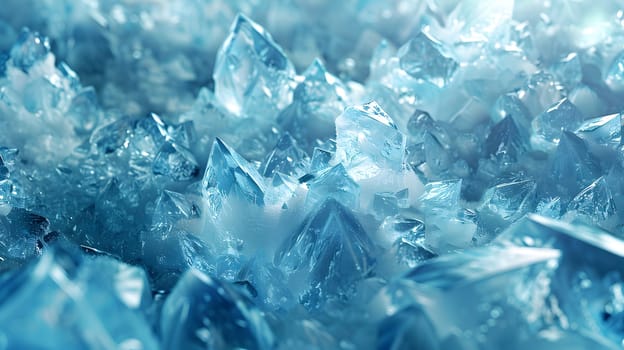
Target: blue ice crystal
{"x": 311, "y": 175}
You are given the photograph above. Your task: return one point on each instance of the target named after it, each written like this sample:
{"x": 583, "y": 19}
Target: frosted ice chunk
{"x": 368, "y": 141}
{"x": 441, "y": 195}
{"x": 30, "y": 48}
{"x": 252, "y": 75}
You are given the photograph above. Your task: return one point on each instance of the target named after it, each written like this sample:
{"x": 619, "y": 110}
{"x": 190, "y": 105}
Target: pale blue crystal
{"x": 335, "y": 183}
{"x": 573, "y": 167}
{"x": 176, "y": 162}
{"x": 68, "y": 298}
{"x": 30, "y": 49}
{"x": 252, "y": 75}
{"x": 320, "y": 160}
{"x": 410, "y": 328}
{"x": 286, "y": 158}
{"x": 569, "y": 70}
{"x": 615, "y": 73}
{"x": 441, "y": 195}
{"x": 385, "y": 204}
{"x": 547, "y": 126}
{"x": 606, "y": 130}
{"x": 228, "y": 173}
{"x": 368, "y": 141}
{"x": 505, "y": 141}
{"x": 203, "y": 312}
{"x": 594, "y": 203}
{"x": 327, "y": 253}
{"x": 424, "y": 58}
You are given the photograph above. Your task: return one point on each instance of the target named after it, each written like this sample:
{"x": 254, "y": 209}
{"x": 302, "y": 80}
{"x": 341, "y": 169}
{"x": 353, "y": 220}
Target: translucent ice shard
{"x": 424, "y": 58}
{"x": 69, "y": 300}
{"x": 547, "y": 126}
{"x": 502, "y": 205}
{"x": 441, "y": 195}
{"x": 489, "y": 291}
{"x": 317, "y": 100}
{"x": 205, "y": 313}
{"x": 505, "y": 141}
{"x": 606, "y": 130}
{"x": 326, "y": 254}
{"x": 573, "y": 166}
{"x": 335, "y": 183}
{"x": 368, "y": 142}
{"x": 594, "y": 204}
{"x": 228, "y": 173}
{"x": 569, "y": 70}
{"x": 615, "y": 74}
{"x": 252, "y": 75}
{"x": 588, "y": 280}
{"x": 286, "y": 158}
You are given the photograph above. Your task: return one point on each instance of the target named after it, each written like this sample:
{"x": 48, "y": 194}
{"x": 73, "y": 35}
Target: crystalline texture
{"x": 368, "y": 141}
{"x": 229, "y": 174}
{"x": 286, "y": 158}
{"x": 423, "y": 58}
{"x": 547, "y": 126}
{"x": 67, "y": 301}
{"x": 30, "y": 48}
{"x": 252, "y": 75}
{"x": 334, "y": 183}
{"x": 329, "y": 251}
{"x": 606, "y": 130}
{"x": 205, "y": 313}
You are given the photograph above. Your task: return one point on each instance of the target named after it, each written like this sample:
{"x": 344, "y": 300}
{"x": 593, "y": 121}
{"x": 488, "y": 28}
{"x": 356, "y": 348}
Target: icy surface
{"x": 311, "y": 174}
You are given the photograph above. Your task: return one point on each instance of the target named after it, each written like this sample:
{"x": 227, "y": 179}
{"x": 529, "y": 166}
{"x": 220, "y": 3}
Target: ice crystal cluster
{"x": 426, "y": 174}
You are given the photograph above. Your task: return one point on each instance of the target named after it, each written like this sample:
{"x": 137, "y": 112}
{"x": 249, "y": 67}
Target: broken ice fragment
{"x": 205, "y": 313}
{"x": 230, "y": 174}
{"x": 547, "y": 126}
{"x": 424, "y": 58}
{"x": 252, "y": 75}
{"x": 329, "y": 251}
{"x": 615, "y": 73}
{"x": 385, "y": 204}
{"x": 320, "y": 160}
{"x": 286, "y": 158}
{"x": 368, "y": 142}
{"x": 30, "y": 48}
{"x": 606, "y": 130}
{"x": 335, "y": 183}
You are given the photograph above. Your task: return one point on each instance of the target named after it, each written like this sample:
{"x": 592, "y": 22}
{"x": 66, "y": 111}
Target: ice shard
{"x": 252, "y": 74}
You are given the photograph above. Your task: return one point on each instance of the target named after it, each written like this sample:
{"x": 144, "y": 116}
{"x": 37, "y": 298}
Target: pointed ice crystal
{"x": 594, "y": 203}
{"x": 505, "y": 141}
{"x": 573, "y": 167}
{"x": 172, "y": 207}
{"x": 368, "y": 141}
{"x": 205, "y": 313}
{"x": 330, "y": 251}
{"x": 286, "y": 158}
{"x": 423, "y": 58}
{"x": 569, "y": 70}
{"x": 252, "y": 74}
{"x": 606, "y": 130}
{"x": 230, "y": 174}
{"x": 510, "y": 200}
{"x": 547, "y": 126}
{"x": 335, "y": 183}
{"x": 509, "y": 105}
{"x": 318, "y": 99}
